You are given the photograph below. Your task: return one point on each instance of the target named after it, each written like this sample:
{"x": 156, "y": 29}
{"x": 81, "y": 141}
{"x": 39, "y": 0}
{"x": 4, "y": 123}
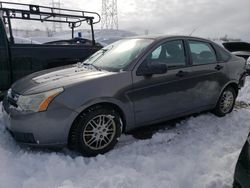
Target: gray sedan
{"x": 131, "y": 83}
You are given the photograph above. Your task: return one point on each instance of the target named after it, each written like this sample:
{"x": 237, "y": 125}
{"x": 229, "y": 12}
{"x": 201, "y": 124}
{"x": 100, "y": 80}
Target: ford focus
{"x": 131, "y": 83}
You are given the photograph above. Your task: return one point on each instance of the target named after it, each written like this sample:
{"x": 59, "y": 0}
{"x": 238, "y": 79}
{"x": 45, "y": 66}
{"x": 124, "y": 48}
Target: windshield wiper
{"x": 90, "y": 59}
{"x": 98, "y": 54}
{"x": 89, "y": 64}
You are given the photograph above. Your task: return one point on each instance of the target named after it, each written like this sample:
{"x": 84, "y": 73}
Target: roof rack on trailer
{"x": 74, "y": 18}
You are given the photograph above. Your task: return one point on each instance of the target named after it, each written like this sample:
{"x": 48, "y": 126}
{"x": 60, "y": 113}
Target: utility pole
{"x": 109, "y": 14}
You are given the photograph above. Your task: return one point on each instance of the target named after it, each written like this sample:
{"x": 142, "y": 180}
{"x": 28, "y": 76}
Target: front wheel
{"x": 97, "y": 131}
{"x": 226, "y": 102}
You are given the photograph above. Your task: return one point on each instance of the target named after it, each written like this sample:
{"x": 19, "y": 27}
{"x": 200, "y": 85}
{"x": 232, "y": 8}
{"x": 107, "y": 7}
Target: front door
{"x": 160, "y": 96}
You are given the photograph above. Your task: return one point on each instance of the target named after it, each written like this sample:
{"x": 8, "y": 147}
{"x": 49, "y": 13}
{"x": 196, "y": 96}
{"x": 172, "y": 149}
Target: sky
{"x": 207, "y": 18}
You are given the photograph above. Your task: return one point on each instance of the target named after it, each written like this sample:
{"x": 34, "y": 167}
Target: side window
{"x": 202, "y": 53}
{"x": 156, "y": 53}
{"x": 171, "y": 53}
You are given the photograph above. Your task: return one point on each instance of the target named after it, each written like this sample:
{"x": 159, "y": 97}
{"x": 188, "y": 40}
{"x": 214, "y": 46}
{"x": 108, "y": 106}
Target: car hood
{"x": 54, "y": 78}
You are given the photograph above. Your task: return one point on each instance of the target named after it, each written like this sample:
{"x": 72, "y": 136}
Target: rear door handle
{"x": 182, "y": 73}
{"x": 218, "y": 67}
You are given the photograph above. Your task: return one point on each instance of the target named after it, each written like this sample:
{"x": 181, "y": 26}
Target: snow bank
{"x": 200, "y": 152}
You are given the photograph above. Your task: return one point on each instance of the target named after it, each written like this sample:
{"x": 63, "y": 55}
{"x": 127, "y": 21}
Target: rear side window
{"x": 202, "y": 53}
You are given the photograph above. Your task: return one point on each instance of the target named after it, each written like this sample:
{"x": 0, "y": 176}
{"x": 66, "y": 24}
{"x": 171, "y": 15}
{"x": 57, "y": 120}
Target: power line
{"x": 57, "y": 26}
{"x": 109, "y": 14}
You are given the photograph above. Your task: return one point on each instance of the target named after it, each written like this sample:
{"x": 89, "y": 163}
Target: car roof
{"x": 162, "y": 37}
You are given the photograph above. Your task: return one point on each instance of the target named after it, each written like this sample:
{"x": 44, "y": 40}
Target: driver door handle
{"x": 218, "y": 67}
{"x": 182, "y": 73}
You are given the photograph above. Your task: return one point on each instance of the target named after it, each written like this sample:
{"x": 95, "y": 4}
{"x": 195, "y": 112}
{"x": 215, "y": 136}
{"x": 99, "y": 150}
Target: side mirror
{"x": 152, "y": 68}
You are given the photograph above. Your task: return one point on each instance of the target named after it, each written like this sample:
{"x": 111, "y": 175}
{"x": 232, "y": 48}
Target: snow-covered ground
{"x": 200, "y": 152}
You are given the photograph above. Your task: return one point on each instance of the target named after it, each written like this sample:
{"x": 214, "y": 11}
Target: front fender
{"x": 126, "y": 108}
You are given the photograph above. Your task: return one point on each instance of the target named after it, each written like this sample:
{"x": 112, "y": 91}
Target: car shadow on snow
{"x": 148, "y": 131}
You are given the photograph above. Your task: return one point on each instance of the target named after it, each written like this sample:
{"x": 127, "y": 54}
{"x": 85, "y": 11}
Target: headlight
{"x": 37, "y": 102}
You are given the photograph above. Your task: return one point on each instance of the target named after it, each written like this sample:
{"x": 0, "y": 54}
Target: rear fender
{"x": 233, "y": 83}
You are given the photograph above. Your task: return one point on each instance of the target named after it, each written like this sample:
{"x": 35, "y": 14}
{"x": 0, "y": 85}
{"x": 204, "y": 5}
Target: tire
{"x": 226, "y": 102}
{"x": 96, "y": 131}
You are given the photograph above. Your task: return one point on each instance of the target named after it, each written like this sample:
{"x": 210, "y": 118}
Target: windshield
{"x": 118, "y": 55}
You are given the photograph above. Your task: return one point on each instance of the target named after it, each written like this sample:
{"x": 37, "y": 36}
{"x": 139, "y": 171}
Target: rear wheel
{"x": 226, "y": 102}
{"x": 97, "y": 131}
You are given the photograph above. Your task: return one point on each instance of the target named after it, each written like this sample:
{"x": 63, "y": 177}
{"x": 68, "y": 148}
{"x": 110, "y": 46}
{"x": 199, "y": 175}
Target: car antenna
{"x": 193, "y": 31}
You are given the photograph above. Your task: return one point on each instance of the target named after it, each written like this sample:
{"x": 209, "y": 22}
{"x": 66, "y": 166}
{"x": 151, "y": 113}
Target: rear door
{"x": 5, "y": 76}
{"x": 208, "y": 73}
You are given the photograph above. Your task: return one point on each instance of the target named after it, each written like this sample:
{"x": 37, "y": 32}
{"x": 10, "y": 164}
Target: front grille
{"x": 23, "y": 137}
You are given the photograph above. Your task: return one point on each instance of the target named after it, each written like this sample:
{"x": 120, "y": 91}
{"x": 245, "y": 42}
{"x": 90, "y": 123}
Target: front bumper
{"x": 45, "y": 129}
{"x": 242, "y": 170}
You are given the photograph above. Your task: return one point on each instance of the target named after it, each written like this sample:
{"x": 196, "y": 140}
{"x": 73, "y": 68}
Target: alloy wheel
{"x": 99, "y": 132}
{"x": 227, "y": 101}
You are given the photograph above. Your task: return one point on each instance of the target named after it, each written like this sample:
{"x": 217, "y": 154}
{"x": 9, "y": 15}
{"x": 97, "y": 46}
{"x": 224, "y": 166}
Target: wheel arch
{"x": 232, "y": 84}
{"x": 93, "y": 107}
